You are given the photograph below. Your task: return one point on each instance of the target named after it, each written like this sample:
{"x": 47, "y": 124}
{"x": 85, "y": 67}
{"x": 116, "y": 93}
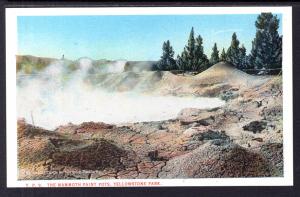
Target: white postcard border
{"x": 11, "y": 127}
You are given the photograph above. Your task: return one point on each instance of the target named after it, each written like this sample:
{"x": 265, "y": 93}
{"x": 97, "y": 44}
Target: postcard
{"x": 149, "y": 96}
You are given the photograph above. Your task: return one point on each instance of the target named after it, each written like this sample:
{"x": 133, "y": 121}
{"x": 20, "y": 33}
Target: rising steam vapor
{"x": 55, "y": 97}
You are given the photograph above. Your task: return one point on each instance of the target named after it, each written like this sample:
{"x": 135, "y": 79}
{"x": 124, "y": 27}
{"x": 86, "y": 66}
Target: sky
{"x": 130, "y": 37}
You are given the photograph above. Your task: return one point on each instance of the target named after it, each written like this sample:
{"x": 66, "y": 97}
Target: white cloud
{"x": 214, "y": 33}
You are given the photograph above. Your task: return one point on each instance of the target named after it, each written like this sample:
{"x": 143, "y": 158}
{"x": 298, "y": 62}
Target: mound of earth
{"x": 223, "y": 72}
{"x": 213, "y": 161}
{"x": 43, "y": 152}
{"x": 95, "y": 156}
{"x": 85, "y": 127}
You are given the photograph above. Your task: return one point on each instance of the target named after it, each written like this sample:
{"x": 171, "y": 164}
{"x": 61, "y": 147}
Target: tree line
{"x": 266, "y": 52}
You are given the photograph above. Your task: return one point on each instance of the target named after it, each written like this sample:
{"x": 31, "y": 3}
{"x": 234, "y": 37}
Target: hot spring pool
{"x": 50, "y": 109}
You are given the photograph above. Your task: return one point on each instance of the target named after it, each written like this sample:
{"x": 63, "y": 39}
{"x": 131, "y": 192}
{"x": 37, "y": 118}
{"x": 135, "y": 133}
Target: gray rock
{"x": 255, "y": 126}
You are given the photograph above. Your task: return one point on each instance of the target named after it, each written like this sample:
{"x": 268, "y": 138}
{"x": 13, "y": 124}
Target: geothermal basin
{"x": 52, "y": 110}
{"x": 55, "y": 97}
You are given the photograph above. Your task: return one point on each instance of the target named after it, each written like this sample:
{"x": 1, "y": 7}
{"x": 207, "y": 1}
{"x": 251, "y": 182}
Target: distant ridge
{"x": 39, "y": 63}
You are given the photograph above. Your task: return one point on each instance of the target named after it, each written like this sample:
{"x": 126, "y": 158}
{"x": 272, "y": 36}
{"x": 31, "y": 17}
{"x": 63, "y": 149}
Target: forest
{"x": 265, "y": 56}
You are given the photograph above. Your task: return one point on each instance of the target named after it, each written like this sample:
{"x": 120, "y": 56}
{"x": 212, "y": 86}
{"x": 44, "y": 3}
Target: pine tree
{"x": 200, "y": 61}
{"x": 167, "y": 61}
{"x": 214, "y": 56}
{"x": 182, "y": 61}
{"x": 267, "y": 45}
{"x": 242, "y": 58}
{"x": 223, "y": 56}
{"x": 233, "y": 52}
{"x": 193, "y": 58}
{"x": 190, "y": 51}
{"x": 179, "y": 63}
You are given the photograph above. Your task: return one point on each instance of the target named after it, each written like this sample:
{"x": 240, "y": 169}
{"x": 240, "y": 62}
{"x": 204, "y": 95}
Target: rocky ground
{"x": 241, "y": 139}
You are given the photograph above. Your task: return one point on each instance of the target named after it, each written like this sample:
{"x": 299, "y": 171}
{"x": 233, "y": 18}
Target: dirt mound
{"x": 85, "y": 127}
{"x": 225, "y": 73}
{"x": 212, "y": 161}
{"x": 222, "y": 72}
{"x": 97, "y": 156}
{"x": 92, "y": 126}
{"x": 47, "y": 150}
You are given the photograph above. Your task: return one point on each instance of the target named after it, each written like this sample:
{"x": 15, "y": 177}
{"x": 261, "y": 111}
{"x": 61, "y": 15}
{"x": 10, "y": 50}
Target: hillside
{"x": 215, "y": 81}
{"x": 32, "y": 64}
{"x": 211, "y": 83}
{"x": 29, "y": 63}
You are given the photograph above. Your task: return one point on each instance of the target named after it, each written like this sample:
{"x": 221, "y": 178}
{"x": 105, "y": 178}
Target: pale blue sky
{"x": 127, "y": 37}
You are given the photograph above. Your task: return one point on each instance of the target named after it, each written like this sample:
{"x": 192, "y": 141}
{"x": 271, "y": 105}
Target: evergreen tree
{"x": 182, "y": 60}
{"x": 193, "y": 57}
{"x": 179, "y": 63}
{"x": 223, "y": 56}
{"x": 190, "y": 51}
{"x": 200, "y": 61}
{"x": 233, "y": 52}
{"x": 243, "y": 51}
{"x": 267, "y": 45}
{"x": 167, "y": 61}
{"x": 214, "y": 56}
{"x": 243, "y": 57}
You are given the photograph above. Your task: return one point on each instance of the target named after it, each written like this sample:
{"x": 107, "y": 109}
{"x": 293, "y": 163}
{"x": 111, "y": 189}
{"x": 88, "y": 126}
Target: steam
{"x": 117, "y": 67}
{"x": 56, "y": 97}
{"x": 84, "y": 65}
